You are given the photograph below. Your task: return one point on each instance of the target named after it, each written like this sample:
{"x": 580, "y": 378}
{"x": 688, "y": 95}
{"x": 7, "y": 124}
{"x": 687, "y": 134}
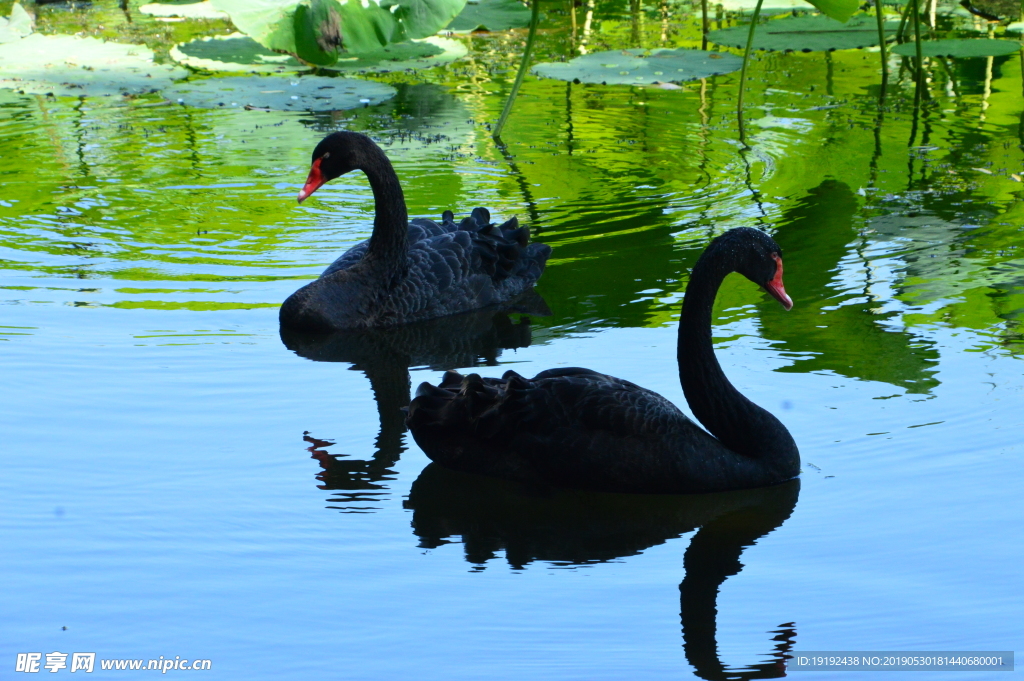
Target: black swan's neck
{"x": 389, "y": 241}
{"x": 738, "y": 423}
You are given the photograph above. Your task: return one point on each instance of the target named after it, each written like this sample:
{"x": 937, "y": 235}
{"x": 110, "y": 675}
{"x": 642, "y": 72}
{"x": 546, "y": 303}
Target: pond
{"x": 180, "y": 481}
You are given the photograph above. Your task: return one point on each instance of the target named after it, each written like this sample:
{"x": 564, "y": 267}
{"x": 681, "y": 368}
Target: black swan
{"x": 577, "y": 428}
{"x": 407, "y": 271}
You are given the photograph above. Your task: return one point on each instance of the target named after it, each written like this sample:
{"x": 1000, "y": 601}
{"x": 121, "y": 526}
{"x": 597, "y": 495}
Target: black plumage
{"x": 408, "y": 271}
{"x": 579, "y": 428}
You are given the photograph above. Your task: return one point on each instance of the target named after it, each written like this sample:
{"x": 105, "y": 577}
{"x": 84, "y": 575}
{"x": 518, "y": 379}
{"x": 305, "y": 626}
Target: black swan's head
{"x": 337, "y": 154}
{"x": 757, "y": 257}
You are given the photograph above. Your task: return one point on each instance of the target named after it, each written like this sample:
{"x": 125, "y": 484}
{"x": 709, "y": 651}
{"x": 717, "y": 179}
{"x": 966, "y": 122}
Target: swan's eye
{"x": 326, "y": 155}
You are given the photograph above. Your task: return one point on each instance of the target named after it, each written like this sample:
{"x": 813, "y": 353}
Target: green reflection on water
{"x": 882, "y": 240}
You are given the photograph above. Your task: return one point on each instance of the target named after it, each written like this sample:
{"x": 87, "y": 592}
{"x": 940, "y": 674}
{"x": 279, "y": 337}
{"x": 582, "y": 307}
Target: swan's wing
{"x": 422, "y": 228}
{"x": 491, "y": 241}
{"x": 497, "y": 251}
{"x": 565, "y": 398}
{"x": 572, "y": 428}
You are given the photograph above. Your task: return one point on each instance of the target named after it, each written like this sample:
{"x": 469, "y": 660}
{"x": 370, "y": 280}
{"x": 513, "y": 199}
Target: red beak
{"x": 775, "y": 286}
{"x": 314, "y": 181}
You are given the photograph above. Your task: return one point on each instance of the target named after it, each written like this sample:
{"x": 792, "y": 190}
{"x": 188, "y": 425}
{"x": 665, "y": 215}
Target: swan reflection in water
{"x": 385, "y": 356}
{"x": 577, "y": 527}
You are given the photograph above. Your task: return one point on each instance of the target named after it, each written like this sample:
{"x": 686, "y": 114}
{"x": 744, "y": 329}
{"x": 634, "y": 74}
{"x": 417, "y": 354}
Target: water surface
{"x": 180, "y": 480}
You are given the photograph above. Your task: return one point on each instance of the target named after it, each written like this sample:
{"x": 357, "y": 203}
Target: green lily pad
{"x": 18, "y": 26}
{"x": 69, "y": 65}
{"x": 767, "y": 6}
{"x": 840, "y": 10}
{"x": 640, "y": 67}
{"x": 306, "y": 93}
{"x": 234, "y": 52}
{"x": 237, "y": 52}
{"x": 192, "y": 10}
{"x": 806, "y": 34}
{"x": 962, "y": 49}
{"x": 361, "y": 25}
{"x": 414, "y": 54}
{"x": 491, "y": 15}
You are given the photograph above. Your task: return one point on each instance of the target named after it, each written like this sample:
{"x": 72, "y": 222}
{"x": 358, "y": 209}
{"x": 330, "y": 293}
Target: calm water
{"x": 160, "y": 497}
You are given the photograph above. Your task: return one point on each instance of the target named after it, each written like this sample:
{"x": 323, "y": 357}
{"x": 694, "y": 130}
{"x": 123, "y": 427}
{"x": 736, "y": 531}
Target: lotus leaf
{"x": 840, "y": 10}
{"x": 237, "y": 52}
{"x": 309, "y": 29}
{"x": 318, "y": 32}
{"x": 767, "y": 6}
{"x": 69, "y": 65}
{"x": 234, "y": 52}
{"x": 962, "y": 49}
{"x": 806, "y": 34}
{"x": 490, "y": 15}
{"x": 415, "y": 54}
{"x": 306, "y": 93}
{"x": 640, "y": 67}
{"x": 17, "y": 26}
{"x": 192, "y": 10}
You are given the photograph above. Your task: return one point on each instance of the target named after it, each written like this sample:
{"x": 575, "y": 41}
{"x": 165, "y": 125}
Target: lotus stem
{"x": 743, "y": 71}
{"x": 523, "y": 65}
{"x": 920, "y": 59}
{"x": 903, "y": 20}
{"x": 704, "y": 22}
{"x": 572, "y": 14}
{"x": 881, "y": 45}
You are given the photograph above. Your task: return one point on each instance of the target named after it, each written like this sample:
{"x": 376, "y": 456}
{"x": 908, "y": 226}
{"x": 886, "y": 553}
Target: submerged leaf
{"x": 69, "y": 65}
{"x": 640, "y": 67}
{"x": 237, "y": 52}
{"x": 490, "y": 15}
{"x": 308, "y": 93}
{"x": 806, "y": 34}
{"x": 962, "y": 49}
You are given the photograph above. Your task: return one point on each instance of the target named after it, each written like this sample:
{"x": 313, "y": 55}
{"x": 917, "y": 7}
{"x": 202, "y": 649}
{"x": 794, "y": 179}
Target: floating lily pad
{"x": 192, "y": 10}
{"x": 640, "y": 67}
{"x": 305, "y": 29}
{"x": 806, "y": 34}
{"x": 237, "y": 52}
{"x": 414, "y": 54}
{"x": 306, "y": 93}
{"x": 962, "y": 49}
{"x": 840, "y": 10}
{"x": 767, "y": 6}
{"x": 69, "y": 65}
{"x": 17, "y": 26}
{"x": 491, "y": 15}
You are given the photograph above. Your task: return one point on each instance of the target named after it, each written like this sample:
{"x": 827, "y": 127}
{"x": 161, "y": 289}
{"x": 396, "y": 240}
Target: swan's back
{"x": 567, "y": 427}
{"x": 448, "y": 268}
